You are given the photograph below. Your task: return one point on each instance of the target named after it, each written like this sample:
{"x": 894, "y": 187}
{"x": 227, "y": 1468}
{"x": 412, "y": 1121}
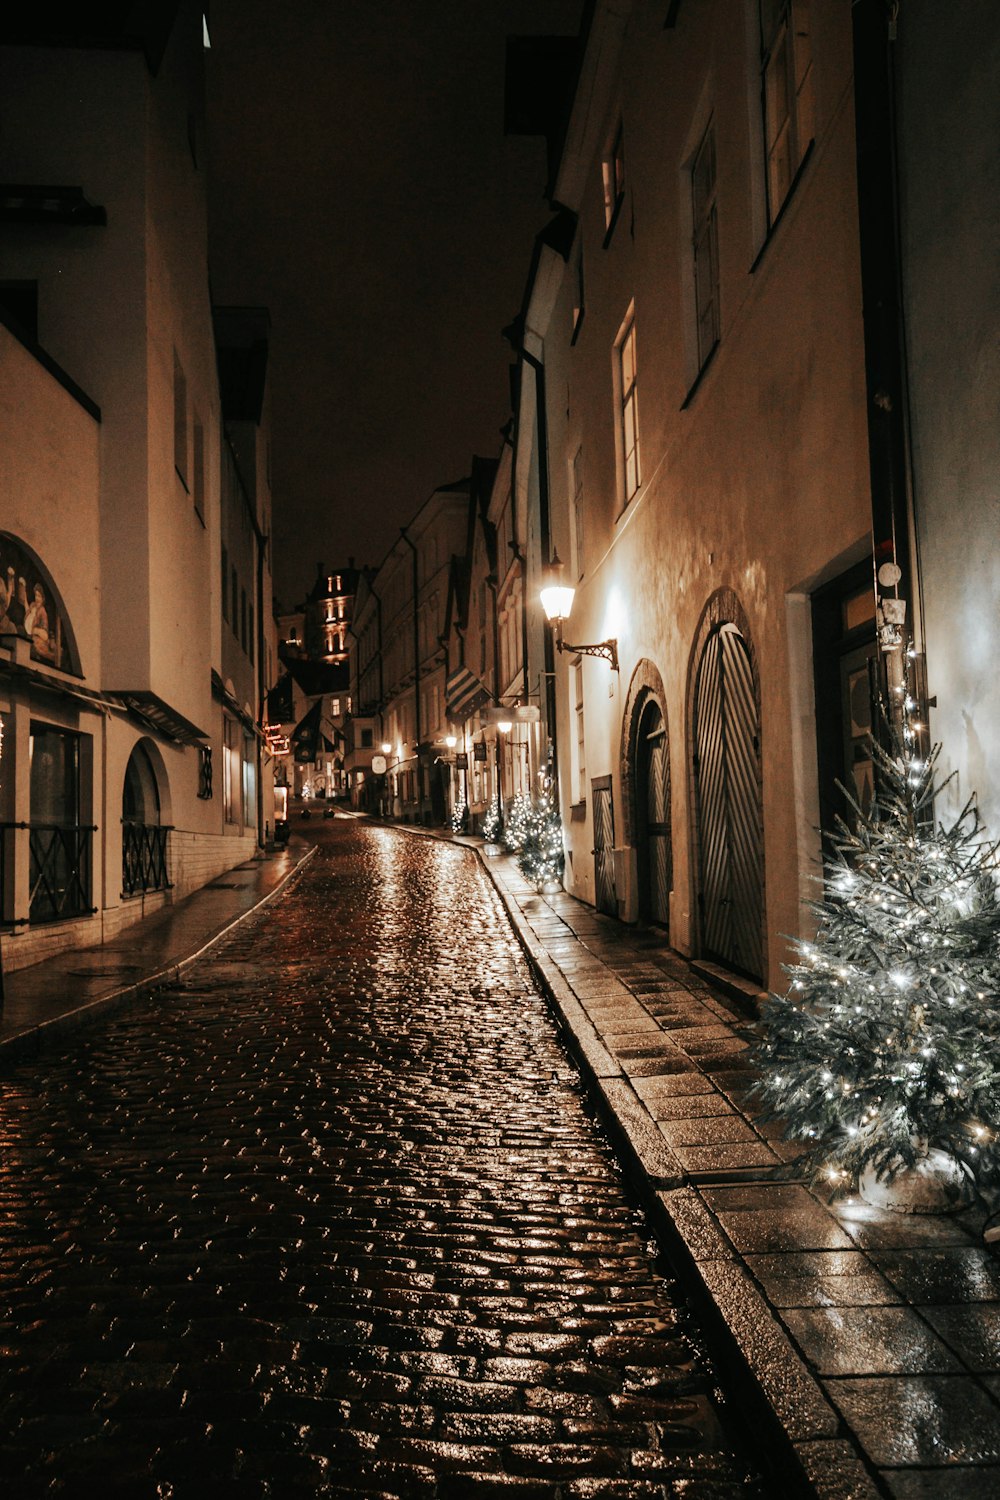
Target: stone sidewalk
{"x": 47, "y": 999}
{"x": 870, "y": 1340}
{"x": 867, "y": 1341}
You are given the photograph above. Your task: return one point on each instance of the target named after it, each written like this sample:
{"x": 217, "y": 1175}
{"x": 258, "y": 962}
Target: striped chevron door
{"x": 730, "y": 825}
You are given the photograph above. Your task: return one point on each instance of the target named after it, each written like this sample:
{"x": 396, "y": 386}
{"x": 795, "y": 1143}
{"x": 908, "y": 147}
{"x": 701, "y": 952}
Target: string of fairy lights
{"x": 886, "y": 1045}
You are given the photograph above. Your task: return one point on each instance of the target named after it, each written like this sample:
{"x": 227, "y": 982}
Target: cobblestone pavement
{"x": 331, "y": 1218}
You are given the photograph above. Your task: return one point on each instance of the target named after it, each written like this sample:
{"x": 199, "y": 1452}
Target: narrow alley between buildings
{"x": 330, "y": 1217}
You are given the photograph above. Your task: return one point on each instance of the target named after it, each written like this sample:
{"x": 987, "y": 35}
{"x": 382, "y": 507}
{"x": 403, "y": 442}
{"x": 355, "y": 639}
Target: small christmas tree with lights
{"x": 515, "y": 827}
{"x": 540, "y": 858}
{"x": 885, "y": 1054}
{"x": 492, "y": 821}
{"x": 459, "y": 817}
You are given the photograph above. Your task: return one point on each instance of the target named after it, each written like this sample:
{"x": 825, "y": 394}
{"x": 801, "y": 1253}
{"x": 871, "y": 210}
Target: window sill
{"x": 775, "y": 222}
{"x": 709, "y": 360}
{"x": 578, "y": 811}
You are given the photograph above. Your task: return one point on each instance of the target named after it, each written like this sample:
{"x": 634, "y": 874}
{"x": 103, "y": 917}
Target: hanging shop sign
{"x": 479, "y": 750}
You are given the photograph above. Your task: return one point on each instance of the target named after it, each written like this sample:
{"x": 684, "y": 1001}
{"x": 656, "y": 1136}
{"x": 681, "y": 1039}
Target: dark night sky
{"x": 363, "y": 190}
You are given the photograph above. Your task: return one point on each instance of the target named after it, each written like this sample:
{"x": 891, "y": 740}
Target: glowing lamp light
{"x": 386, "y": 748}
{"x": 505, "y": 725}
{"x": 451, "y": 740}
{"x": 557, "y": 601}
{"x": 556, "y": 594}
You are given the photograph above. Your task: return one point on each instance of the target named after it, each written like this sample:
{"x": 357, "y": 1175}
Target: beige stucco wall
{"x": 49, "y": 488}
{"x": 759, "y": 483}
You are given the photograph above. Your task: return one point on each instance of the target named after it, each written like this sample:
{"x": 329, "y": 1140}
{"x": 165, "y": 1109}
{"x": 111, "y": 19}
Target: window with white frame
{"x": 706, "y": 245}
{"x": 613, "y": 175}
{"x": 576, "y": 485}
{"x": 786, "y": 93}
{"x": 579, "y": 736}
{"x": 628, "y": 408}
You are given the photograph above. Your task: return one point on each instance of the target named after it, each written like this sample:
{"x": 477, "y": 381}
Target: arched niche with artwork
{"x": 32, "y": 608}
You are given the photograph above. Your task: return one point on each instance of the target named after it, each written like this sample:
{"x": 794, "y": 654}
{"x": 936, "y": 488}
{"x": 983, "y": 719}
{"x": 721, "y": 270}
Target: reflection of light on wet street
{"x": 334, "y": 1211}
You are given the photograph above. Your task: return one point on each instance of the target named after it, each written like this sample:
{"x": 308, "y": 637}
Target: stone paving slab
{"x": 871, "y": 1339}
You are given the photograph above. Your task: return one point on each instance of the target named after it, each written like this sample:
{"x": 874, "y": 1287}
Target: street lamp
{"x": 504, "y": 726}
{"x": 557, "y": 601}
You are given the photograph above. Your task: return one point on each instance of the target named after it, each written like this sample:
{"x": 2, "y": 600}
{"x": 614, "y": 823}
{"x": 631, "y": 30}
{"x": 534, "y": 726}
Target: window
{"x": 243, "y": 618}
{"x": 249, "y": 783}
{"x": 628, "y": 409}
{"x": 576, "y": 483}
{"x": 198, "y": 471}
{"x": 613, "y": 171}
{"x": 180, "y": 421}
{"x": 250, "y": 639}
{"x": 786, "y": 93}
{"x": 366, "y": 739}
{"x": 579, "y": 742}
{"x": 230, "y": 769}
{"x": 236, "y": 600}
{"x": 334, "y": 707}
{"x": 59, "y": 845}
{"x": 225, "y": 583}
{"x": 706, "y": 246}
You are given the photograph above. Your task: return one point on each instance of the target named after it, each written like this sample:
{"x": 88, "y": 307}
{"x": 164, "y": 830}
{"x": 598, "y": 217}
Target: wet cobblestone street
{"x": 330, "y": 1218}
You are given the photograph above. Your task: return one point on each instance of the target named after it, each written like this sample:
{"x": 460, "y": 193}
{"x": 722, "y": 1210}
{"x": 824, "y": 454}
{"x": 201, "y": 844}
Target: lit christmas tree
{"x": 886, "y": 1051}
{"x": 459, "y": 817}
{"x": 492, "y": 821}
{"x": 516, "y": 825}
{"x": 540, "y": 858}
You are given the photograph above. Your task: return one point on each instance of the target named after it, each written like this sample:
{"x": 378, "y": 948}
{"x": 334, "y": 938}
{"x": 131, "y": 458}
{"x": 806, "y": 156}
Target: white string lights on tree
{"x": 887, "y": 1046}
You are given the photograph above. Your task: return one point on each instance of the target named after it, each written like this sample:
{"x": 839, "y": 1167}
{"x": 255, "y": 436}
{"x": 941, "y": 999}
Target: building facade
{"x": 692, "y": 446}
{"x": 120, "y": 789}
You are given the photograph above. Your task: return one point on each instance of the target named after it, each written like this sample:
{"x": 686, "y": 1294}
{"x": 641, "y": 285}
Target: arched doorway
{"x": 727, "y": 783}
{"x": 652, "y": 816}
{"x": 144, "y": 836}
{"x": 646, "y": 794}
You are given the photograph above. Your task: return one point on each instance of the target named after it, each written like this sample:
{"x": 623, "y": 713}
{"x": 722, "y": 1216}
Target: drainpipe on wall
{"x": 545, "y": 542}
{"x": 261, "y": 690}
{"x": 895, "y": 559}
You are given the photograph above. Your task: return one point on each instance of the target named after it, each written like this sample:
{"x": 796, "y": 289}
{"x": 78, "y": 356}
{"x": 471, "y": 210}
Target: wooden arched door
{"x": 728, "y": 799}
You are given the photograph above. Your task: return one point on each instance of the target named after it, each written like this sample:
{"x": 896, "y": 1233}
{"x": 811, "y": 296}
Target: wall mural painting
{"x": 28, "y": 609}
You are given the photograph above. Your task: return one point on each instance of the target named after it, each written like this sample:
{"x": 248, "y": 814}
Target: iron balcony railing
{"x": 144, "y": 857}
{"x": 59, "y": 869}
